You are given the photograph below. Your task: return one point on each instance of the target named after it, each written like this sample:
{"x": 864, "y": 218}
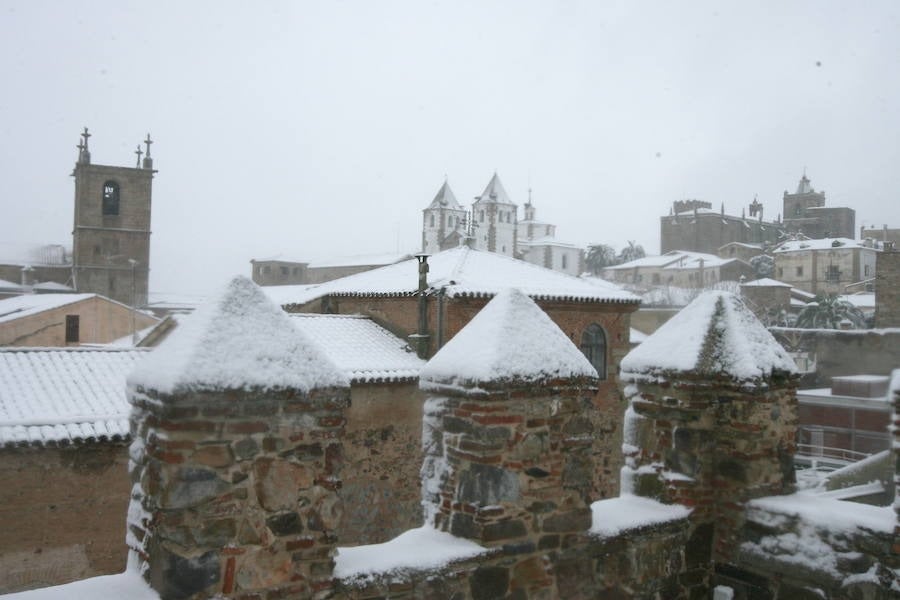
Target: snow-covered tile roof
{"x": 822, "y": 244}
{"x": 673, "y": 258}
{"x": 860, "y": 300}
{"x": 52, "y": 286}
{"x": 511, "y": 338}
{"x": 462, "y": 272}
{"x": 64, "y": 395}
{"x": 31, "y": 304}
{"x": 716, "y": 334}
{"x": 445, "y": 198}
{"x": 494, "y": 192}
{"x": 636, "y": 336}
{"x": 361, "y": 260}
{"x": 362, "y": 349}
{"x": 546, "y": 240}
{"x": 238, "y": 341}
{"x": 9, "y": 285}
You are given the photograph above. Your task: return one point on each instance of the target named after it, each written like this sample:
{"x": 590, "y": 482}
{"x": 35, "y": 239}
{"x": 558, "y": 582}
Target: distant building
{"x": 67, "y": 320}
{"x": 681, "y": 269}
{"x": 110, "y": 253}
{"x": 824, "y": 266}
{"x": 887, "y": 287}
{"x": 275, "y": 271}
{"x": 805, "y": 212}
{"x": 880, "y": 234}
{"x": 493, "y": 225}
{"x": 694, "y": 226}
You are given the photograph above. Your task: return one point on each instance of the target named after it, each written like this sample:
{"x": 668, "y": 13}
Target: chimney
{"x": 421, "y": 338}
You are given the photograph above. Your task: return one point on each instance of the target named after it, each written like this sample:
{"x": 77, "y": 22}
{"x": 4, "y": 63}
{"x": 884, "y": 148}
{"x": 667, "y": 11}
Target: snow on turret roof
{"x": 445, "y": 199}
{"x": 461, "y": 272}
{"x": 494, "y": 192}
{"x": 716, "y": 334}
{"x": 511, "y": 338}
{"x": 239, "y": 341}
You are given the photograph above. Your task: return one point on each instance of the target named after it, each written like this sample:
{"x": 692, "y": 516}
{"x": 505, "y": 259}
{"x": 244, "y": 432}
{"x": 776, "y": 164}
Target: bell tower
{"x": 111, "y": 234}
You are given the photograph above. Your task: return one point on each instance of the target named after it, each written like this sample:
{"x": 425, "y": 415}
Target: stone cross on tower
{"x": 84, "y": 154}
{"x": 139, "y": 152}
{"x": 148, "y": 161}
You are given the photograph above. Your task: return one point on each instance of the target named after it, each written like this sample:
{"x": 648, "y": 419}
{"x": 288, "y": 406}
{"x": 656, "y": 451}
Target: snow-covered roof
{"x": 64, "y": 395}
{"x": 238, "y": 341}
{"x": 699, "y": 211}
{"x": 636, "y": 337}
{"x": 708, "y": 261}
{"x": 445, "y": 199}
{"x": 716, "y": 334}
{"x": 821, "y": 244}
{"x": 863, "y": 300}
{"x": 671, "y": 258}
{"x": 743, "y": 245}
{"x": 9, "y": 285}
{"x": 32, "y": 304}
{"x": 494, "y": 192}
{"x": 52, "y": 286}
{"x": 362, "y": 349}
{"x": 361, "y": 260}
{"x": 511, "y": 338}
{"x": 765, "y": 282}
{"x": 462, "y": 272}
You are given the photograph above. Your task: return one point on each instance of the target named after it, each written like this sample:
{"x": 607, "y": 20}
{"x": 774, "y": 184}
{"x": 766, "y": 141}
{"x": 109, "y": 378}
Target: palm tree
{"x": 828, "y": 312}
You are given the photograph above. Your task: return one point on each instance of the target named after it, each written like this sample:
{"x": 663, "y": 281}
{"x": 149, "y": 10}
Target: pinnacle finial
{"x": 139, "y": 152}
{"x": 148, "y": 141}
{"x": 84, "y": 154}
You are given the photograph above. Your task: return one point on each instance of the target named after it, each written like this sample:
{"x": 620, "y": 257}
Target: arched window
{"x": 110, "y": 198}
{"x": 593, "y": 346}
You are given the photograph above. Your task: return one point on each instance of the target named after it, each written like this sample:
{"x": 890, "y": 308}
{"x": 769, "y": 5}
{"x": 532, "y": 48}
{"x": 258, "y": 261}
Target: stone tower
{"x": 443, "y": 222}
{"x": 494, "y": 216}
{"x": 111, "y": 234}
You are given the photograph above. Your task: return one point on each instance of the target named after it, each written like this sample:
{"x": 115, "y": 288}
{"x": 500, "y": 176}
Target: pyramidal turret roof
{"x": 240, "y": 341}
{"x": 511, "y": 338}
{"x": 494, "y": 192}
{"x": 716, "y": 334}
{"x": 445, "y": 199}
{"x": 804, "y": 187}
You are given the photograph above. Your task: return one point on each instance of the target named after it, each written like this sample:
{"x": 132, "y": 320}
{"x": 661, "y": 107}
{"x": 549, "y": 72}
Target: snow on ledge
{"x": 414, "y": 550}
{"x": 823, "y": 512}
{"x": 616, "y": 515}
{"x": 128, "y": 585}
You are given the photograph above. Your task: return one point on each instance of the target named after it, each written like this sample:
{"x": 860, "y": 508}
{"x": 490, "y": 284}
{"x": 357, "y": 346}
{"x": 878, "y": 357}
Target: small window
{"x": 781, "y": 271}
{"x": 593, "y": 346}
{"x": 72, "y": 329}
{"x": 284, "y": 270}
{"x": 296, "y": 270}
{"x": 431, "y": 220}
{"x": 565, "y": 261}
{"x": 481, "y": 216}
{"x": 799, "y": 271}
{"x": 866, "y": 271}
{"x": 266, "y": 269}
{"x": 656, "y": 278}
{"x": 110, "y": 198}
{"x": 833, "y": 273}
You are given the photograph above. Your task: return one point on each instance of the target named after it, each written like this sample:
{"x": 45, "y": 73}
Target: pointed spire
{"x": 445, "y": 198}
{"x": 494, "y": 192}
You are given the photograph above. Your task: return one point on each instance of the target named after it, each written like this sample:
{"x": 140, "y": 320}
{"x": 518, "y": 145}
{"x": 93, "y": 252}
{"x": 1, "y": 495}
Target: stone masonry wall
{"x": 887, "y": 289}
{"x": 61, "y": 510}
{"x": 712, "y": 446}
{"x": 236, "y": 493}
{"x": 382, "y": 459}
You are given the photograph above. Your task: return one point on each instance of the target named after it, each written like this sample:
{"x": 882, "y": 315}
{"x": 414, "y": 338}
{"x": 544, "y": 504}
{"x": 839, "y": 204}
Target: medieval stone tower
{"x": 111, "y": 234}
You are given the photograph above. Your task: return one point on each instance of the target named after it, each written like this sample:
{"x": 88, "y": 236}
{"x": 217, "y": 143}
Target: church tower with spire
{"x": 494, "y": 217}
{"x": 443, "y": 222}
{"x": 111, "y": 234}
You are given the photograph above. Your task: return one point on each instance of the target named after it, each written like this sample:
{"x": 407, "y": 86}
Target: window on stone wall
{"x": 565, "y": 261}
{"x": 867, "y": 271}
{"x": 799, "y": 271}
{"x": 833, "y": 273}
{"x": 110, "y": 198}
{"x": 431, "y": 220}
{"x": 593, "y": 346}
{"x": 780, "y": 271}
{"x": 656, "y": 278}
{"x": 72, "y": 329}
{"x": 481, "y": 216}
{"x": 284, "y": 270}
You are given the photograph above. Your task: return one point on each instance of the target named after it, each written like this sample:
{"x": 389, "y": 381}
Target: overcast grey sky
{"x": 321, "y": 129}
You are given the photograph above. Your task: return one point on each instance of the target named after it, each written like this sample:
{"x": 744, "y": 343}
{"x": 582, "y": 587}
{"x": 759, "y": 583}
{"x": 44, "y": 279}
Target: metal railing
{"x": 816, "y": 453}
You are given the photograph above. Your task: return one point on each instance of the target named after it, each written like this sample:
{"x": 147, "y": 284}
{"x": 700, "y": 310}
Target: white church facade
{"x": 493, "y": 224}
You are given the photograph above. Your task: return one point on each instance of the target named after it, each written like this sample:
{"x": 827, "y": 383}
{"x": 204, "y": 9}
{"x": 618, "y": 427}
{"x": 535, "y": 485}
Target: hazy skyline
{"x": 316, "y": 130}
